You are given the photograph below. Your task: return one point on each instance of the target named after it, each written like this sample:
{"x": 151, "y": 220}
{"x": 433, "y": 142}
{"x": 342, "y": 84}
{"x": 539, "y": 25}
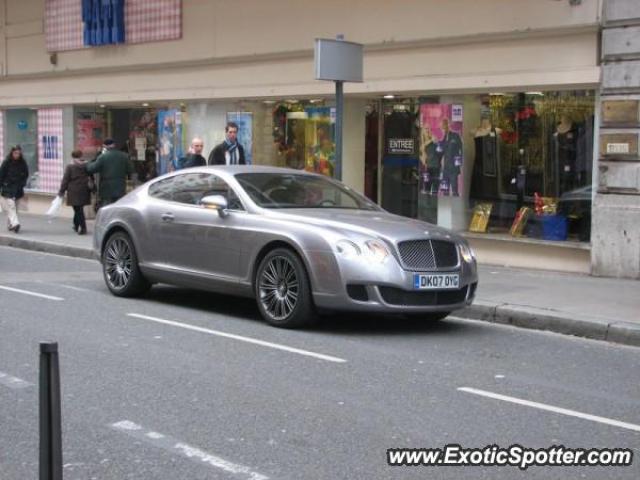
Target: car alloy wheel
{"x": 282, "y": 290}
{"x": 120, "y": 267}
{"x": 279, "y": 288}
{"x": 117, "y": 263}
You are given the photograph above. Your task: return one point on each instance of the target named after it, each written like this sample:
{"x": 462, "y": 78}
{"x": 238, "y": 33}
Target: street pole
{"x": 50, "y": 416}
{"x": 338, "y": 61}
{"x": 339, "y": 115}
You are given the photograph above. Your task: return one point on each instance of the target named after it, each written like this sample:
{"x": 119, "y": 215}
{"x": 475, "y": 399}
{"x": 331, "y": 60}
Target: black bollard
{"x": 50, "y": 416}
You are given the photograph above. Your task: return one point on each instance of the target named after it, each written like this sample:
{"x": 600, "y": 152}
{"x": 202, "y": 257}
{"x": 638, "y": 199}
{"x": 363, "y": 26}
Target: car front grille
{"x": 428, "y": 254}
{"x": 396, "y": 296}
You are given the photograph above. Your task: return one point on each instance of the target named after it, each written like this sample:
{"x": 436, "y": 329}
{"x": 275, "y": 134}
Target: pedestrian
{"x": 78, "y": 184}
{"x": 229, "y": 152}
{"x": 194, "y": 158}
{"x": 114, "y": 167}
{"x": 14, "y": 173}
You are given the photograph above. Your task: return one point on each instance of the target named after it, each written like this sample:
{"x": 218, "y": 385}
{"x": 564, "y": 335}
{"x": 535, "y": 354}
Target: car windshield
{"x": 290, "y": 190}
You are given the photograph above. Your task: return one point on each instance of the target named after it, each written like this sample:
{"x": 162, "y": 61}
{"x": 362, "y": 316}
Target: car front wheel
{"x": 120, "y": 267}
{"x": 282, "y": 290}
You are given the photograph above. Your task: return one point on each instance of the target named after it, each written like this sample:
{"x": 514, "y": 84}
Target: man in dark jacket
{"x": 14, "y": 173}
{"x": 114, "y": 167}
{"x": 194, "y": 158}
{"x": 229, "y": 152}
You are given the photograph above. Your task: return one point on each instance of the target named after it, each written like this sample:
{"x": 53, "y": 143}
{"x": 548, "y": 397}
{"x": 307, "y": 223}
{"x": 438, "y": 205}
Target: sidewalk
{"x": 598, "y": 308}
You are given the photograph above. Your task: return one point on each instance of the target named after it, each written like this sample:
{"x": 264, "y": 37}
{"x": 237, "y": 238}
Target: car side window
{"x": 217, "y": 186}
{"x": 191, "y": 188}
{"x": 162, "y": 189}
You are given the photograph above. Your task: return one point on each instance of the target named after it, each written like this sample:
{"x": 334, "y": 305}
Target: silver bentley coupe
{"x": 297, "y": 242}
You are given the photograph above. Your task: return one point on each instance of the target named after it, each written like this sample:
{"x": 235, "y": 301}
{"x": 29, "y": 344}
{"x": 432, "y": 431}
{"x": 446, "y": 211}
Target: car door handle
{"x": 167, "y": 217}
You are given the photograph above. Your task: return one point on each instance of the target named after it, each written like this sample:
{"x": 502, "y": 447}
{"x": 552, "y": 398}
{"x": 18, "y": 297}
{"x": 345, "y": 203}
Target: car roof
{"x": 235, "y": 169}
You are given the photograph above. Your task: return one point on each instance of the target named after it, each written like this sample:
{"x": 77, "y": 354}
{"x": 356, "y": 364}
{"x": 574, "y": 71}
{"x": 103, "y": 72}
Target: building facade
{"x": 491, "y": 127}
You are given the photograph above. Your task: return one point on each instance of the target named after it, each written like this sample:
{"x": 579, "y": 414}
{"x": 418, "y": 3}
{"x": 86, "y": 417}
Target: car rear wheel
{"x": 120, "y": 267}
{"x": 282, "y": 290}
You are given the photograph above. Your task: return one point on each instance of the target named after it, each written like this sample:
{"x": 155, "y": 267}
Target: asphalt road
{"x": 191, "y": 385}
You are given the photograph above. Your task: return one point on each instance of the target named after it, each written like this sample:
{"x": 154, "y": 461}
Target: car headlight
{"x": 467, "y": 253}
{"x": 348, "y": 248}
{"x": 377, "y": 250}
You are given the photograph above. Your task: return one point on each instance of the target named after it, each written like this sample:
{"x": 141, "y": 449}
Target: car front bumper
{"x": 386, "y": 288}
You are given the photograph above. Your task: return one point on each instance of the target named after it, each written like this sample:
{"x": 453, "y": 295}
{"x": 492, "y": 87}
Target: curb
{"x": 595, "y": 328}
{"x": 522, "y": 316}
{"x": 47, "y": 247}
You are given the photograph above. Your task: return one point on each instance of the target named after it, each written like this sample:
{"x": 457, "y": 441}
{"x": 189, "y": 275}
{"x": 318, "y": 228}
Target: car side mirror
{"x": 216, "y": 202}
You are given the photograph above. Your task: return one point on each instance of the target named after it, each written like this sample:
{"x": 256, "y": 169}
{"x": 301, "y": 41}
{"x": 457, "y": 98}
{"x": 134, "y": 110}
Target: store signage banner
{"x": 89, "y": 136}
{"x": 245, "y": 132}
{"x": 76, "y": 24}
{"x": 50, "y": 157}
{"x": 169, "y": 139}
{"x": 103, "y": 22}
{"x": 441, "y": 152}
{"x": 400, "y": 146}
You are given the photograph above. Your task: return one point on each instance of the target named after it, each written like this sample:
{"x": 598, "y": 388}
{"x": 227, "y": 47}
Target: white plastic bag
{"x": 54, "y": 208}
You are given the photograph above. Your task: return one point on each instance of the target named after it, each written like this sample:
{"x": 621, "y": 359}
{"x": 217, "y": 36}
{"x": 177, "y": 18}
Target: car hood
{"x": 394, "y": 228}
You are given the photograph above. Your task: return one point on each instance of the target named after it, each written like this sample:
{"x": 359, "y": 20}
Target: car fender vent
{"x": 358, "y": 292}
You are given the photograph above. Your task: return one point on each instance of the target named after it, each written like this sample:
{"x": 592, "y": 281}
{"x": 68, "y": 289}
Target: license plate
{"x": 436, "y": 281}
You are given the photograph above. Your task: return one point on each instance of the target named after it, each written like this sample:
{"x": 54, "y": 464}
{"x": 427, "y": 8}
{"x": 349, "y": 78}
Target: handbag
{"x": 91, "y": 184}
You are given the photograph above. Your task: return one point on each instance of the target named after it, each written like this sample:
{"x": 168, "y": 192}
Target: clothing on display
{"x": 484, "y": 178}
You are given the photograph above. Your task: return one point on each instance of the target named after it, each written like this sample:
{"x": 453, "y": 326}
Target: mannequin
{"x": 484, "y": 128}
{"x": 565, "y": 138}
{"x": 484, "y": 181}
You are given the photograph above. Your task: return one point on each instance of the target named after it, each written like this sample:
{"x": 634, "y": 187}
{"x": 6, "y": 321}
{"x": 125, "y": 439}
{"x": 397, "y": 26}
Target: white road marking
{"x": 26, "y": 292}
{"x": 70, "y": 287}
{"x": 551, "y": 408}
{"x": 174, "y": 446}
{"x": 255, "y": 341}
{"x": 13, "y": 382}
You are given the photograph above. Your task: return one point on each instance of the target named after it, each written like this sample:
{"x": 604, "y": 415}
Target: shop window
{"x": 305, "y": 136}
{"x": 22, "y": 129}
{"x": 532, "y": 164}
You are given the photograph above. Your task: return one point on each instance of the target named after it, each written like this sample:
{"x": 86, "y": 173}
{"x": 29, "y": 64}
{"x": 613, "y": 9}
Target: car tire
{"x": 282, "y": 290}
{"x": 120, "y": 267}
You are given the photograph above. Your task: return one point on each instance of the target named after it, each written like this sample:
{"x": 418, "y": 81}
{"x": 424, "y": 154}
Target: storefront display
{"x": 541, "y": 144}
{"x": 21, "y": 128}
{"x": 305, "y": 136}
{"x": 442, "y": 149}
{"x": 519, "y": 146}
{"x": 170, "y": 139}
{"x": 90, "y": 132}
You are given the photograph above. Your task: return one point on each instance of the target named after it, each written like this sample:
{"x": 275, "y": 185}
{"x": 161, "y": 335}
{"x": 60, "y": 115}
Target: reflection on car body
{"x": 294, "y": 241}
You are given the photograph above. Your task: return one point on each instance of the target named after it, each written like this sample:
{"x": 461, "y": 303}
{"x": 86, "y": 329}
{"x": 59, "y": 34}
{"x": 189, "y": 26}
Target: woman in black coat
{"x": 76, "y": 182}
{"x": 14, "y": 173}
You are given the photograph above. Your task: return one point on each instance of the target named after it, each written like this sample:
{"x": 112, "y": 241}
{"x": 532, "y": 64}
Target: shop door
{"x": 400, "y": 162}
